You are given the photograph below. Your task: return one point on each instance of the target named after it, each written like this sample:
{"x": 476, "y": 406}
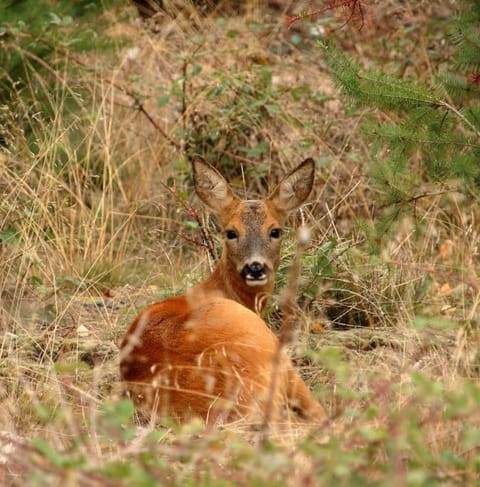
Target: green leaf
{"x": 273, "y": 108}
{"x": 438, "y": 322}
{"x": 9, "y": 236}
{"x": 323, "y": 261}
{"x": 36, "y": 281}
{"x": 191, "y": 224}
{"x": 59, "y": 280}
{"x": 163, "y": 100}
{"x": 197, "y": 69}
{"x": 56, "y": 458}
{"x": 118, "y": 413}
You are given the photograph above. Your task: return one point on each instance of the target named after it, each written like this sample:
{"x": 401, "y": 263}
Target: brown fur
{"x": 207, "y": 353}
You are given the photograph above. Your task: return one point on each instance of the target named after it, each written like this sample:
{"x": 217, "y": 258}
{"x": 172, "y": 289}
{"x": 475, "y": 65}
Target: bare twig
{"x": 186, "y": 141}
{"x": 184, "y": 109}
{"x": 355, "y": 6}
{"x": 414, "y": 199}
{"x": 430, "y": 269}
{"x": 192, "y": 212}
{"x": 288, "y": 306}
{"x": 137, "y": 105}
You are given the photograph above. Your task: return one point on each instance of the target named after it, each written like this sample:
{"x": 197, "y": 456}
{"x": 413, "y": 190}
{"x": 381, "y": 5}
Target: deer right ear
{"x": 295, "y": 187}
{"x": 211, "y": 186}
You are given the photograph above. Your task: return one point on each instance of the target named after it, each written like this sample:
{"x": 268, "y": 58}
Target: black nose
{"x": 255, "y": 270}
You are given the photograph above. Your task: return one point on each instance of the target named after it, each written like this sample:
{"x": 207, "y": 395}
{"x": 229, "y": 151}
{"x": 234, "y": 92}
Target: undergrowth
{"x": 100, "y": 115}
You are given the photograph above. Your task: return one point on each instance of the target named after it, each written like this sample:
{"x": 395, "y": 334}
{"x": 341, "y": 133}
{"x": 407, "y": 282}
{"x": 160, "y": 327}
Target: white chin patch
{"x": 251, "y": 281}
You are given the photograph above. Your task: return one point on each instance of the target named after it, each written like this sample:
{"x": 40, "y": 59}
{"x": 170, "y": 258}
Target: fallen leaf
{"x": 83, "y": 331}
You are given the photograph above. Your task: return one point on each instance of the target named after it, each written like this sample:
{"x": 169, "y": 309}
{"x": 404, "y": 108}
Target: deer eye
{"x": 231, "y": 234}
{"x": 275, "y": 232}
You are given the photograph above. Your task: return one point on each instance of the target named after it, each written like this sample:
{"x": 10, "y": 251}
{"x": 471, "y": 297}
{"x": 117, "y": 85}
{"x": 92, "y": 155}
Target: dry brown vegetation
{"x": 99, "y": 219}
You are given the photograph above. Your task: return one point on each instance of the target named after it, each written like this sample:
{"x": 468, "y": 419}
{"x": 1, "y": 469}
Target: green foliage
{"x": 228, "y": 114}
{"x": 427, "y": 139}
{"x": 391, "y": 444}
{"x": 30, "y": 31}
{"x": 242, "y": 104}
{"x": 248, "y": 99}
{"x": 466, "y": 38}
{"x": 36, "y": 40}
{"x": 318, "y": 265}
{"x": 376, "y": 88}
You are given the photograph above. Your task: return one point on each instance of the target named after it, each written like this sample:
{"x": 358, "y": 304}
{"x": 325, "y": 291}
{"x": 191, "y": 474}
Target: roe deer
{"x": 207, "y": 353}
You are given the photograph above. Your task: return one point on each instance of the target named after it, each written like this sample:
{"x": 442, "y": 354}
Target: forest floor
{"x": 387, "y": 340}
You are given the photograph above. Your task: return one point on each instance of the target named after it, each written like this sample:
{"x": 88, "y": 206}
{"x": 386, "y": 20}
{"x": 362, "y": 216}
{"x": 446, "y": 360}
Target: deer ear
{"x": 211, "y": 186}
{"x": 295, "y": 187}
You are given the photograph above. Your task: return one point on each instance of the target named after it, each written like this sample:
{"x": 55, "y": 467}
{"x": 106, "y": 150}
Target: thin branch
{"x": 353, "y": 4}
{"x": 460, "y": 116}
{"x": 185, "y": 106}
{"x": 137, "y": 105}
{"x": 186, "y": 141}
{"x": 430, "y": 269}
{"x": 192, "y": 212}
{"x": 195, "y": 242}
{"x": 414, "y": 199}
{"x": 288, "y": 306}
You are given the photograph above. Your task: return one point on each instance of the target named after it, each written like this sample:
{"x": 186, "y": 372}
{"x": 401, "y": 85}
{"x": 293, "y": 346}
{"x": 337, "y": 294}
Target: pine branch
{"x": 377, "y": 88}
{"x": 418, "y": 136}
{"x": 460, "y": 116}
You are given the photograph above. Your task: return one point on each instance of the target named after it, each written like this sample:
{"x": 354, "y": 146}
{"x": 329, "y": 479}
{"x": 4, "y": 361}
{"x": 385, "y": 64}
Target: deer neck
{"x": 227, "y": 283}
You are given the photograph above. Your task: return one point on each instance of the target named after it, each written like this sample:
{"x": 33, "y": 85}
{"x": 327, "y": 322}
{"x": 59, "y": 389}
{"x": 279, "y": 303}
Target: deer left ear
{"x": 211, "y": 187}
{"x": 295, "y": 187}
